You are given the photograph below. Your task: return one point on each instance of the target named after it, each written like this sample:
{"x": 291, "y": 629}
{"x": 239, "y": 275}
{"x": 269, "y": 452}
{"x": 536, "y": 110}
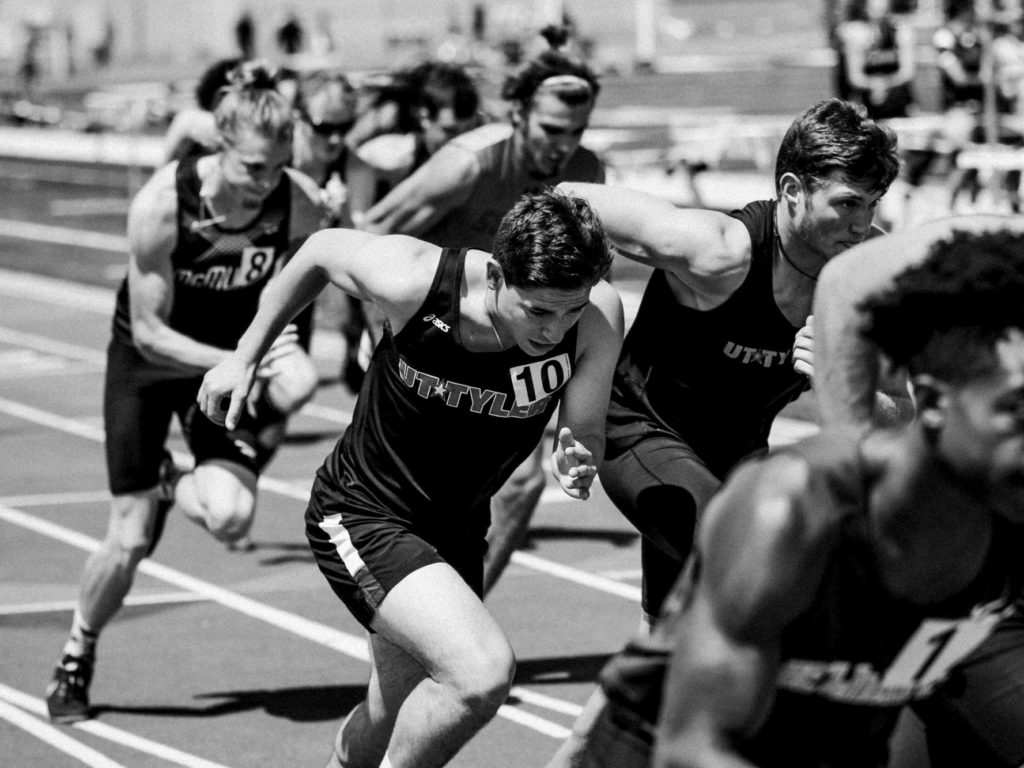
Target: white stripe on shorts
{"x": 342, "y": 541}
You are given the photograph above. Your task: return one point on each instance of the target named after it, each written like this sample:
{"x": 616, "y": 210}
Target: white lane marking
{"x": 300, "y": 492}
{"x": 547, "y": 702}
{"x": 76, "y": 238}
{"x": 108, "y": 732}
{"x": 624, "y": 574}
{"x": 60, "y": 606}
{"x": 343, "y": 642}
{"x": 89, "y": 206}
{"x": 56, "y": 499}
{"x": 55, "y": 737}
{"x": 52, "y": 346}
{"x": 577, "y": 576}
{"x": 62, "y": 293}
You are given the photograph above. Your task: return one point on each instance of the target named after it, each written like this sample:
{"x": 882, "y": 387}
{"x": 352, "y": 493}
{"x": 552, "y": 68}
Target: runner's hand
{"x": 570, "y": 464}
{"x": 223, "y": 392}
{"x": 803, "y": 349}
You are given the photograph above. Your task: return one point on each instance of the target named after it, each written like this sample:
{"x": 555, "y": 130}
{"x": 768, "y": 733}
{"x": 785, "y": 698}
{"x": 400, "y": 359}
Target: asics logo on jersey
{"x": 438, "y": 323}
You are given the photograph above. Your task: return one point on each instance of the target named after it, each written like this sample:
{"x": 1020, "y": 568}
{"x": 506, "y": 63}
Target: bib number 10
{"x": 536, "y": 381}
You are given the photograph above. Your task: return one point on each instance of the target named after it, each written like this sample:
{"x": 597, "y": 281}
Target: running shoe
{"x": 67, "y": 695}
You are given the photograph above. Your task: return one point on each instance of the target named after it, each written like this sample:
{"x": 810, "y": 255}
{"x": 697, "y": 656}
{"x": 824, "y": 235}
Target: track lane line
{"x": 31, "y": 704}
{"x": 347, "y": 644}
{"x": 55, "y": 737}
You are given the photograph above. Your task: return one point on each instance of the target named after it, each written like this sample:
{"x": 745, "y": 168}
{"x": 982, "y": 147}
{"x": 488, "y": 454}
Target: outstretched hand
{"x": 803, "y": 349}
{"x": 226, "y": 387}
{"x": 571, "y": 466}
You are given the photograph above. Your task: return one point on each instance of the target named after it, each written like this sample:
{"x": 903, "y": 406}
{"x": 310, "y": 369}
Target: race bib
{"x": 539, "y": 380}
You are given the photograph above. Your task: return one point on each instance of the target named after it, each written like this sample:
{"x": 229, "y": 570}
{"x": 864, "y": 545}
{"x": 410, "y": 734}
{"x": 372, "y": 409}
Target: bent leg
{"x": 512, "y": 509}
{"x": 110, "y": 570}
{"x": 661, "y": 486}
{"x": 220, "y": 496}
{"x": 465, "y": 661}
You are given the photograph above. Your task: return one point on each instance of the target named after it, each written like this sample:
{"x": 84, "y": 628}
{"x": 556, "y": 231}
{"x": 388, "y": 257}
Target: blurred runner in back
{"x": 206, "y": 236}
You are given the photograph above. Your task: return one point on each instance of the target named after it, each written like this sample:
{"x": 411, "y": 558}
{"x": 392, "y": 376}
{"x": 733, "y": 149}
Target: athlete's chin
{"x": 538, "y": 349}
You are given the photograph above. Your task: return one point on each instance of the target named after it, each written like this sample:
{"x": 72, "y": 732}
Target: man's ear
{"x": 518, "y": 114}
{"x": 931, "y": 397}
{"x": 790, "y": 189}
{"x": 495, "y": 277}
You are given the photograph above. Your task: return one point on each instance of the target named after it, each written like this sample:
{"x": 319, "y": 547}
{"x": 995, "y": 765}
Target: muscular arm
{"x": 849, "y": 382}
{"x": 437, "y": 187}
{"x": 708, "y": 251}
{"x": 762, "y": 563}
{"x": 152, "y": 235}
{"x": 585, "y": 403}
{"x": 394, "y": 272}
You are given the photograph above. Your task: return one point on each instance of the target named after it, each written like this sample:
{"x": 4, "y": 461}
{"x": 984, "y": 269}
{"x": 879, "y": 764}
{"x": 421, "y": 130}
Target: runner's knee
{"x": 229, "y": 521}
{"x": 483, "y": 679}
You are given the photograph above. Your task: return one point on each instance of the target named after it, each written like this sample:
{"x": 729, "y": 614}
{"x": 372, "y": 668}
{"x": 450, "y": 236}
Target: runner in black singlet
{"x": 206, "y": 235}
{"x": 722, "y": 339}
{"x": 458, "y": 197}
{"x": 477, "y": 352}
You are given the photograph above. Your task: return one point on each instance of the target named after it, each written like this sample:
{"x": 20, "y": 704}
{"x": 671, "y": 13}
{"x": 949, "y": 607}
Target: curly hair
{"x": 552, "y": 240}
{"x": 251, "y": 102}
{"x": 838, "y": 135}
{"x": 945, "y": 315}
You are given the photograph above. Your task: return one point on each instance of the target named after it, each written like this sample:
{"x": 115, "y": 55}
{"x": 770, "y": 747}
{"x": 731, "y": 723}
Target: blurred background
{"x": 695, "y": 93}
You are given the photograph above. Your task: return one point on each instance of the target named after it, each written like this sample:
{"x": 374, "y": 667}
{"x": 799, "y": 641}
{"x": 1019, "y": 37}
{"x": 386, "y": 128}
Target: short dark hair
{"x": 838, "y": 135}
{"x": 552, "y": 240}
{"x": 944, "y": 316}
{"x": 577, "y": 83}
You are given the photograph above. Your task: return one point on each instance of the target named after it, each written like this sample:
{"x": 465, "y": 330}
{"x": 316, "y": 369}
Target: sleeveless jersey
{"x": 503, "y": 179}
{"x": 856, "y": 654}
{"x": 218, "y": 273}
{"x": 715, "y": 378}
{"x": 437, "y": 429}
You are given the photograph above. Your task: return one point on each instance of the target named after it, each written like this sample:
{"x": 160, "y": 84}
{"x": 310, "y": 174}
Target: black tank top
{"x": 715, "y": 378}
{"x": 437, "y": 429}
{"x": 218, "y": 273}
{"x": 856, "y": 654}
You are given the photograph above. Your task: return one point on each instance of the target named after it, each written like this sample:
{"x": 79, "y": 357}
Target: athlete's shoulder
{"x": 158, "y": 197}
{"x": 389, "y": 153}
{"x": 484, "y": 137}
{"x": 765, "y": 542}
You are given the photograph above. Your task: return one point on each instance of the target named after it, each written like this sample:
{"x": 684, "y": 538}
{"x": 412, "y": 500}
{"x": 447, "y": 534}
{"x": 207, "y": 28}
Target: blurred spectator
{"x": 434, "y": 102}
{"x": 290, "y": 35}
{"x": 878, "y": 51}
{"x": 192, "y": 132}
{"x": 245, "y": 35}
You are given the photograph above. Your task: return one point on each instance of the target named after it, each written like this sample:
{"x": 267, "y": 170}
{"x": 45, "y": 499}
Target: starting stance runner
{"x": 205, "y": 237}
{"x": 478, "y": 351}
{"x": 458, "y": 197}
{"x": 723, "y": 337}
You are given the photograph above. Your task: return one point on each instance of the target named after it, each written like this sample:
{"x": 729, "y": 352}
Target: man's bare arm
{"x": 851, "y": 383}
